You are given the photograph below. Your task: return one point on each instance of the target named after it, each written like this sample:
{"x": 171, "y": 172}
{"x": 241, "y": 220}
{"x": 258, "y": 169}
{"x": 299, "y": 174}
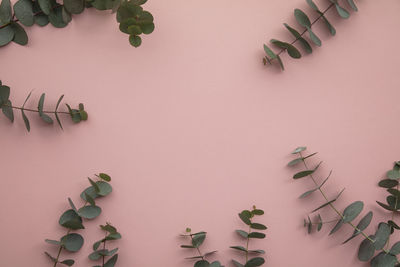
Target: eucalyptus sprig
{"x": 102, "y": 253}
{"x": 196, "y": 240}
{"x": 72, "y": 219}
{"x": 371, "y": 243}
{"x": 247, "y": 217}
{"x": 133, "y": 20}
{"x": 77, "y": 115}
{"x": 307, "y": 26}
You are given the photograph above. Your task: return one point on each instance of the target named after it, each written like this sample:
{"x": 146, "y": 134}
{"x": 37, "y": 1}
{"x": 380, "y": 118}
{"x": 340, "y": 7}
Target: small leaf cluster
{"x": 77, "y": 115}
{"x": 304, "y": 21}
{"x": 247, "y": 217}
{"x": 72, "y": 219}
{"x": 196, "y": 240}
{"x": 102, "y": 253}
{"x": 42, "y": 12}
{"x": 372, "y": 248}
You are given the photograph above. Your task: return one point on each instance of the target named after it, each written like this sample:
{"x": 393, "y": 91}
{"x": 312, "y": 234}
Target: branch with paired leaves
{"x": 77, "y": 115}
{"x": 72, "y": 219}
{"x": 247, "y": 217}
{"x": 196, "y": 240}
{"x": 306, "y": 25}
{"x": 371, "y": 243}
{"x": 102, "y": 253}
{"x": 132, "y": 19}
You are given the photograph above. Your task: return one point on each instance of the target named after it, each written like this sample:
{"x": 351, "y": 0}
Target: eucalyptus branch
{"x": 77, "y": 115}
{"x": 72, "y": 219}
{"x": 196, "y": 240}
{"x": 111, "y": 233}
{"x": 133, "y": 20}
{"x": 371, "y": 243}
{"x": 247, "y": 217}
{"x": 305, "y": 22}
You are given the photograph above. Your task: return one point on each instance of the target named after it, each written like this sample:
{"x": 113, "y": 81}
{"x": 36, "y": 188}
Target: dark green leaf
{"x": 386, "y": 206}
{"x": 331, "y": 29}
{"x": 314, "y": 37}
{"x": 242, "y": 233}
{"x": 89, "y": 191}
{"x": 8, "y": 111}
{"x": 393, "y": 174}
{"x": 45, "y": 6}
{"x": 258, "y": 226}
{"x": 352, "y": 5}
{"x": 4, "y": 93}
{"x": 388, "y": 183}
{"x": 51, "y": 257}
{"x": 352, "y": 211}
{"x": 394, "y": 192}
{"x": 312, "y": 5}
{"x": 198, "y": 239}
{"x": 24, "y": 12}
{"x": 342, "y": 12}
{"x": 187, "y": 246}
{"x": 70, "y": 219}
{"x": 245, "y": 217}
{"x": 237, "y": 264}
{"x": 72, "y": 242}
{"x": 135, "y": 40}
{"x": 269, "y": 52}
{"x": 96, "y": 245}
{"x": 104, "y": 188}
{"x": 297, "y": 35}
{"x": 68, "y": 262}
{"x": 74, "y": 6}
{"x": 105, "y": 177}
{"x": 202, "y": 263}
{"x": 366, "y": 250}
{"x": 56, "y": 18}
{"x": 53, "y": 242}
{"x": 254, "y": 262}
{"x": 324, "y": 205}
{"x": 384, "y": 260}
{"x": 72, "y": 205}
{"x": 337, "y": 226}
{"x": 6, "y": 35}
{"x": 89, "y": 212}
{"x": 395, "y": 250}
{"x": 257, "y": 212}
{"x": 361, "y": 226}
{"x": 111, "y": 262}
{"x": 5, "y": 11}
{"x": 381, "y": 236}
{"x": 239, "y": 248}
{"x": 256, "y": 235}
{"x": 90, "y": 199}
{"x": 292, "y": 51}
{"x": 302, "y": 18}
{"x": 66, "y": 16}
{"x": 20, "y": 36}
{"x": 320, "y": 223}
{"x": 309, "y": 192}
{"x": 55, "y": 112}
{"x": 303, "y": 174}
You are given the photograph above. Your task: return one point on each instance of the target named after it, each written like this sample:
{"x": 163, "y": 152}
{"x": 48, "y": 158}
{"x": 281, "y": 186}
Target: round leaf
{"x": 72, "y": 242}
{"x": 20, "y": 36}
{"x": 254, "y": 262}
{"x": 89, "y": 212}
{"x": 366, "y": 250}
{"x": 352, "y": 211}
{"x": 23, "y": 10}
{"x": 6, "y": 35}
{"x": 70, "y": 219}
{"x": 135, "y": 40}
{"x": 302, "y": 18}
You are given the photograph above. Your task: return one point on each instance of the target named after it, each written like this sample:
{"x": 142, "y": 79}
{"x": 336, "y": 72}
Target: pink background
{"x": 193, "y": 129}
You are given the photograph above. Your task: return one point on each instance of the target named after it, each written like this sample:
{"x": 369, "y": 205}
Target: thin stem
{"x": 34, "y": 110}
{"x": 247, "y": 245}
{"x": 331, "y": 221}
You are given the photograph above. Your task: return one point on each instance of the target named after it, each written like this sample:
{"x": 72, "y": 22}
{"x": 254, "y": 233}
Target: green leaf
{"x": 51, "y": 257}
{"x": 388, "y": 183}
{"x": 299, "y": 149}
{"x": 394, "y": 192}
{"x": 89, "y": 191}
{"x": 72, "y": 242}
{"x": 297, "y": 35}
{"x": 257, "y": 212}
{"x": 385, "y": 206}
{"x": 113, "y": 236}
{"x": 352, "y": 5}
{"x": 74, "y": 6}
{"x": 352, "y": 211}
{"x": 72, "y": 205}
{"x": 5, "y": 11}
{"x": 215, "y": 264}
{"x": 309, "y": 192}
{"x": 312, "y": 5}
{"x": 26, "y": 120}
{"x": 395, "y": 250}
{"x": 55, "y": 112}
{"x": 245, "y": 217}
{"x": 258, "y": 226}
{"x": 256, "y": 235}
{"x": 105, "y": 177}
{"x": 292, "y": 51}
{"x": 320, "y": 223}
{"x": 147, "y": 28}
{"x": 8, "y": 111}
{"x": 53, "y": 242}
{"x": 187, "y": 246}
{"x": 324, "y": 205}
{"x": 104, "y": 188}
{"x": 89, "y": 212}
{"x": 20, "y": 36}
{"x": 4, "y": 93}
{"x": 95, "y": 185}
{"x": 336, "y": 227}
{"x": 280, "y": 62}
{"x": 111, "y": 262}
{"x": 331, "y": 29}
{"x": 6, "y": 35}
{"x": 242, "y": 233}
{"x": 23, "y": 10}
{"x": 239, "y": 248}
{"x": 198, "y": 239}
{"x": 342, "y": 12}
{"x": 302, "y": 18}
{"x": 309, "y": 225}
{"x": 135, "y": 40}
{"x": 42, "y": 115}
{"x": 108, "y": 228}
{"x": 381, "y": 236}
{"x": 384, "y": 260}
{"x": 90, "y": 199}
{"x": 237, "y": 264}
{"x": 56, "y": 18}
{"x": 42, "y": 20}
{"x": 254, "y": 262}
{"x": 303, "y": 174}
{"x": 68, "y": 262}
{"x": 314, "y": 37}
{"x": 70, "y": 219}
{"x": 269, "y": 52}
{"x": 295, "y": 162}
{"x": 393, "y": 174}
{"x": 366, "y": 250}
{"x": 45, "y": 6}
{"x": 202, "y": 263}
{"x": 66, "y": 16}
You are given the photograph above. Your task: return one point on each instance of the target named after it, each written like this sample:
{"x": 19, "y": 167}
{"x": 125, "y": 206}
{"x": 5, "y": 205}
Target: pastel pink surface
{"x": 193, "y": 128}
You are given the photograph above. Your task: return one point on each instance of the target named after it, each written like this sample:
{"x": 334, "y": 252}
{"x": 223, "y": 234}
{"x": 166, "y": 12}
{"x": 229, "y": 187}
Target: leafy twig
{"x": 111, "y": 234}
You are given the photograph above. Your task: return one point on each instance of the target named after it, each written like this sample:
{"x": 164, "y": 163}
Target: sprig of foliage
{"x": 371, "y": 243}
{"x": 307, "y": 25}
{"x": 72, "y": 219}
{"x": 196, "y": 240}
{"x": 77, "y": 115}
{"x": 97, "y": 254}
{"x": 247, "y": 217}
{"x": 133, "y": 20}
